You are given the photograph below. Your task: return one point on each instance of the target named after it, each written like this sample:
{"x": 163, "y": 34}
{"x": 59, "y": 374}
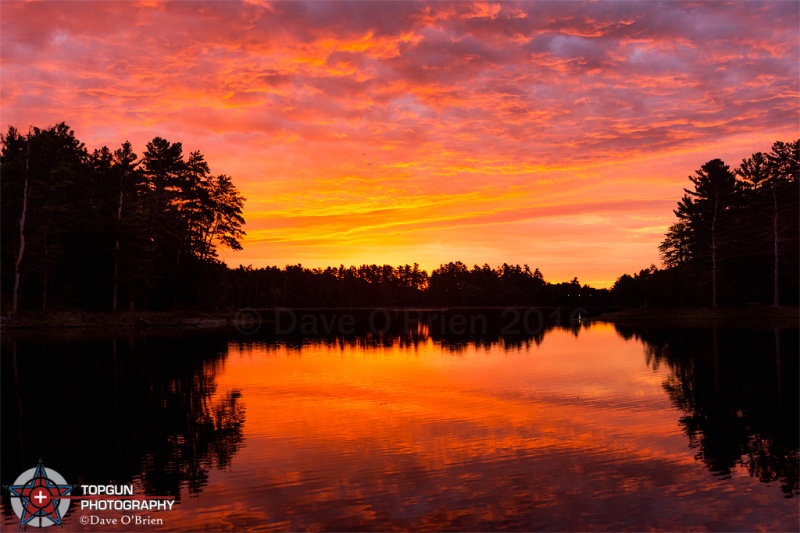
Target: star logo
{"x": 38, "y": 497}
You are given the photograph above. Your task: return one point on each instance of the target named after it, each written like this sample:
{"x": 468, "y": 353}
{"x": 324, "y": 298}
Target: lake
{"x": 586, "y": 427}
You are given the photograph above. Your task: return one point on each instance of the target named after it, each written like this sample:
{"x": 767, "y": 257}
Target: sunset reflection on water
{"x": 576, "y": 432}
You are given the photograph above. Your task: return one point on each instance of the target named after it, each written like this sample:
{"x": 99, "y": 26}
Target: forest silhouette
{"x": 108, "y": 231}
{"x": 194, "y": 428}
{"x": 736, "y": 410}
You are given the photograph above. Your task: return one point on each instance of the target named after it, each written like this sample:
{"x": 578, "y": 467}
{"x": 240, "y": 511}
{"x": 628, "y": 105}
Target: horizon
{"x": 558, "y": 135}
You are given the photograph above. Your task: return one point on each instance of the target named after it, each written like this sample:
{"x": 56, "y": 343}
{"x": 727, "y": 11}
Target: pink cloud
{"x": 339, "y": 105}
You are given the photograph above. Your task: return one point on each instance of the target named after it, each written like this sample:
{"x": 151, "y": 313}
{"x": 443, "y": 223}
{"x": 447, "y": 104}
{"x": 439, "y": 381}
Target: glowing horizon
{"x": 553, "y": 134}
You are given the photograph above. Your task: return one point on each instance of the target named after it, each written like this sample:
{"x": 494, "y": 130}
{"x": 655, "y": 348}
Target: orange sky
{"x": 557, "y": 134}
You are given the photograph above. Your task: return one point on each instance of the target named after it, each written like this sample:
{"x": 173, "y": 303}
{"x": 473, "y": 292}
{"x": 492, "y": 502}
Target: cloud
{"x": 335, "y": 106}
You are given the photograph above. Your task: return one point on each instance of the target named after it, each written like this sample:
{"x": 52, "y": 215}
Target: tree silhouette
{"x": 770, "y": 181}
{"x": 676, "y": 249}
{"x": 738, "y": 407}
{"x": 88, "y": 230}
{"x": 83, "y": 230}
{"x": 707, "y": 212}
{"x": 192, "y": 427}
{"x": 13, "y": 146}
{"x": 741, "y": 236}
{"x": 51, "y": 213}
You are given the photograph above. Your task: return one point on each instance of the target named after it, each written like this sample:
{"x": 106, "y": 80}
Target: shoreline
{"x": 66, "y": 320}
{"x": 749, "y": 316}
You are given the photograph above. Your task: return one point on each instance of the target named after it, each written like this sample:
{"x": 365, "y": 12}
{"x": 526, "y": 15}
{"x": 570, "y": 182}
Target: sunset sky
{"x": 557, "y": 134}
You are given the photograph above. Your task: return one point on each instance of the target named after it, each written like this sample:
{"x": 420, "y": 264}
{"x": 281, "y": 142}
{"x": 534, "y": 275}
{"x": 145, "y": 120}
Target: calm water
{"x": 594, "y": 428}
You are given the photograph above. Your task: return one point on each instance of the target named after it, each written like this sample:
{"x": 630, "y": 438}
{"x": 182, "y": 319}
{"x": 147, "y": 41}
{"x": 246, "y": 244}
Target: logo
{"x": 40, "y": 497}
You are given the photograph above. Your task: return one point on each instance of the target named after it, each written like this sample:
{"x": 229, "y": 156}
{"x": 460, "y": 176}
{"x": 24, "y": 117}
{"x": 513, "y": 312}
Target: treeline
{"x": 452, "y": 284}
{"x": 735, "y": 240}
{"x": 107, "y": 230}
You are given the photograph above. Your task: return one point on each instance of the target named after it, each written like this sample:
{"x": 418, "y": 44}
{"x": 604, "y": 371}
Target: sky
{"x": 554, "y": 134}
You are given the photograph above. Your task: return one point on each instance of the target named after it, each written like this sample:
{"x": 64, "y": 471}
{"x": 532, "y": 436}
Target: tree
{"x": 784, "y": 174}
{"x": 164, "y": 170}
{"x": 675, "y": 250}
{"x": 741, "y": 229}
{"x": 448, "y": 282}
{"x": 770, "y": 182}
{"x": 707, "y": 215}
{"x": 191, "y": 212}
{"x": 88, "y": 230}
{"x": 193, "y": 205}
{"x": 784, "y": 162}
{"x": 223, "y": 221}
{"x": 163, "y": 166}
{"x": 40, "y": 173}
{"x": 129, "y": 181}
{"x": 13, "y": 145}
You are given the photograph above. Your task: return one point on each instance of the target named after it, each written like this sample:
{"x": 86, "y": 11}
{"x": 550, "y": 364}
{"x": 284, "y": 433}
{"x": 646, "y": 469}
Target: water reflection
{"x": 581, "y": 427}
{"x": 140, "y": 409}
{"x": 738, "y": 395}
{"x": 455, "y": 330}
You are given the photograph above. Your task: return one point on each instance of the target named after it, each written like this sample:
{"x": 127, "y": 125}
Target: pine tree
{"x": 708, "y": 214}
